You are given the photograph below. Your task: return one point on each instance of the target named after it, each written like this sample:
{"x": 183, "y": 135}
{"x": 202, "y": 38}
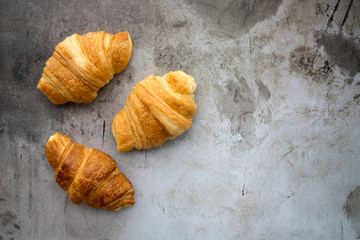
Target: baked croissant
{"x": 157, "y": 109}
{"x": 81, "y": 65}
{"x": 88, "y": 175}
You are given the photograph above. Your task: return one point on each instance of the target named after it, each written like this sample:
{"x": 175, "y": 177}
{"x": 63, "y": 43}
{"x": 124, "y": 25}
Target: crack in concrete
{"x": 347, "y": 13}
{"x": 332, "y": 15}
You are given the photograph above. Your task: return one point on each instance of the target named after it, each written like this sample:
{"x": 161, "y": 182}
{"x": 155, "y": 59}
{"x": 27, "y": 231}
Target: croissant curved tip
{"x": 57, "y": 136}
{"x": 53, "y": 95}
{"x": 181, "y": 82}
{"x": 55, "y": 147}
{"x": 190, "y": 80}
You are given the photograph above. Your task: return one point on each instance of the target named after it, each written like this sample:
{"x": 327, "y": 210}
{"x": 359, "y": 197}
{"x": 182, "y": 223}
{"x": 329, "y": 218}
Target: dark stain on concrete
{"x": 322, "y": 8}
{"x": 180, "y": 24}
{"x": 8, "y": 224}
{"x": 342, "y": 51}
{"x": 2, "y": 126}
{"x": 103, "y": 133}
{"x": 232, "y": 16}
{"x": 352, "y": 209}
{"x": 16, "y": 226}
{"x": 238, "y": 104}
{"x": 309, "y": 62}
{"x": 66, "y": 204}
{"x": 263, "y": 89}
{"x": 7, "y": 217}
{"x": 176, "y": 57}
{"x": 357, "y": 98}
{"x": 20, "y": 67}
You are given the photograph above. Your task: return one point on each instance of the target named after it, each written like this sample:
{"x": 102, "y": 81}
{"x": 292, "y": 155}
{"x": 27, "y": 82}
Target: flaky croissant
{"x": 157, "y": 109}
{"x": 81, "y": 65}
{"x": 88, "y": 175}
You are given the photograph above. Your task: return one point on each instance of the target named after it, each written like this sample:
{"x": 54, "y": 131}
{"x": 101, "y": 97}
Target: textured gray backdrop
{"x": 274, "y": 150}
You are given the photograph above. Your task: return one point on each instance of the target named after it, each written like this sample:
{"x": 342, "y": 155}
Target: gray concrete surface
{"x": 274, "y": 151}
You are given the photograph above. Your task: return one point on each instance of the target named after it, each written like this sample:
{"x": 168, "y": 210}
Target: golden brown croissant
{"x": 88, "y": 175}
{"x": 81, "y": 65}
{"x": 157, "y": 109}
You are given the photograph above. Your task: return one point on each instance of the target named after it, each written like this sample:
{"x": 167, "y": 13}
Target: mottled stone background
{"x": 274, "y": 150}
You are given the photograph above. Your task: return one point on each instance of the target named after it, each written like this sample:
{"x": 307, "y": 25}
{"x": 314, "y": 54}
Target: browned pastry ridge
{"x": 88, "y": 175}
{"x": 81, "y": 65}
{"x": 156, "y": 110}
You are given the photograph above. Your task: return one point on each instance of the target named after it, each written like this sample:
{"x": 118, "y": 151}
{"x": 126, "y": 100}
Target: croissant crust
{"x": 81, "y": 65}
{"x": 156, "y": 110}
{"x": 88, "y": 175}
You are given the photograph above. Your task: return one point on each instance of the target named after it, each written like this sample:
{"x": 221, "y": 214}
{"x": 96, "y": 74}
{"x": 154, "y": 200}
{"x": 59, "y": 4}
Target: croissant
{"x": 81, "y": 65}
{"x": 157, "y": 109}
{"x": 88, "y": 175}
